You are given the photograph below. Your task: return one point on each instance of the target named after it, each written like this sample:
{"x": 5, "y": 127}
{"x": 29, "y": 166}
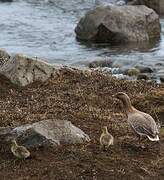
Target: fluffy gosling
{"x": 20, "y": 152}
{"x": 106, "y": 139}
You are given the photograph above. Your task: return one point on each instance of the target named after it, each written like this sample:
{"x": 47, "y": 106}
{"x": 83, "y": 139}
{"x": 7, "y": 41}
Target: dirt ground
{"x": 86, "y": 100}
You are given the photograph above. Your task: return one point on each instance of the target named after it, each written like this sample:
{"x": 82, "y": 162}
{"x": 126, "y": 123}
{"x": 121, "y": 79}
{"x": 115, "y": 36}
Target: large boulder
{"x": 119, "y": 24}
{"x": 22, "y": 70}
{"x": 47, "y": 132}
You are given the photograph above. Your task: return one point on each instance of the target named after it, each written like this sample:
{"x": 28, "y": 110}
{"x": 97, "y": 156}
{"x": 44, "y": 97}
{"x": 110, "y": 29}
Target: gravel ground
{"x": 85, "y": 100}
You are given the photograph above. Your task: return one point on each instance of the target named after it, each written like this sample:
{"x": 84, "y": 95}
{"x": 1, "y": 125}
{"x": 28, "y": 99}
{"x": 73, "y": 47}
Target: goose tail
{"x": 156, "y": 138}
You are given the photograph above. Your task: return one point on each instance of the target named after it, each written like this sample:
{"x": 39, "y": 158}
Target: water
{"x": 46, "y": 30}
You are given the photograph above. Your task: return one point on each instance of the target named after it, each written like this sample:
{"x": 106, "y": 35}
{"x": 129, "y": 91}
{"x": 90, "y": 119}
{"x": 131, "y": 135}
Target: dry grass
{"x": 84, "y": 99}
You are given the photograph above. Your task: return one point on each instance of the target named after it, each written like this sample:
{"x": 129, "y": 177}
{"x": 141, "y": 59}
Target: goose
{"x": 106, "y": 139}
{"x": 20, "y": 152}
{"x": 142, "y": 123}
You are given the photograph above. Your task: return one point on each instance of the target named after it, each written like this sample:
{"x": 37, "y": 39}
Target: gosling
{"x": 20, "y": 152}
{"x": 141, "y": 123}
{"x": 106, "y": 139}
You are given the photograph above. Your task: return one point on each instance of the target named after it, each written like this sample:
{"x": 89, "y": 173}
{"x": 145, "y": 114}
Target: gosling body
{"x": 106, "y": 139}
{"x": 142, "y": 123}
{"x": 20, "y": 152}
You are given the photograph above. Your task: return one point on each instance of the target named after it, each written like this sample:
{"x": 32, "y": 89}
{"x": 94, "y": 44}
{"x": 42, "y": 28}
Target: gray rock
{"x": 145, "y": 69}
{"x": 123, "y": 70}
{"x": 4, "y": 57}
{"x": 134, "y": 2}
{"x": 157, "y": 5}
{"x": 22, "y": 70}
{"x": 143, "y": 76}
{"x": 162, "y": 79}
{"x": 119, "y": 24}
{"x": 160, "y": 74}
{"x": 6, "y": 0}
{"x": 100, "y": 63}
{"x": 48, "y": 132}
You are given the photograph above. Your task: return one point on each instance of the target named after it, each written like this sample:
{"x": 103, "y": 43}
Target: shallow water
{"x": 46, "y": 30}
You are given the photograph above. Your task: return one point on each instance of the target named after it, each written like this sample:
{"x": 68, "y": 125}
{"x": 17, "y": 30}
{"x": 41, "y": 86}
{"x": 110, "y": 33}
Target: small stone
{"x": 100, "y": 63}
{"x": 143, "y": 77}
{"x": 134, "y": 2}
{"x": 162, "y": 79}
{"x": 6, "y": 0}
{"x": 144, "y": 69}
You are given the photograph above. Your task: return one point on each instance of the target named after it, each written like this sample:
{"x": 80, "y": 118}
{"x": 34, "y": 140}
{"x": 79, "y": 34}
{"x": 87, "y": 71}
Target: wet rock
{"x": 6, "y": 0}
{"x": 159, "y": 64}
{"x": 117, "y": 24}
{"x": 160, "y": 74}
{"x": 145, "y": 69}
{"x": 162, "y": 79}
{"x": 100, "y": 63}
{"x": 4, "y": 57}
{"x": 133, "y": 72}
{"x": 143, "y": 76}
{"x": 22, "y": 70}
{"x": 123, "y": 66}
{"x": 157, "y": 5}
{"x": 133, "y": 2}
{"x": 49, "y": 132}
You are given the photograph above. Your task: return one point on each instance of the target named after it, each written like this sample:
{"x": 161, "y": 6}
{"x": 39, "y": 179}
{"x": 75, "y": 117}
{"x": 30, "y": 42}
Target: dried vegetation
{"x": 86, "y": 100}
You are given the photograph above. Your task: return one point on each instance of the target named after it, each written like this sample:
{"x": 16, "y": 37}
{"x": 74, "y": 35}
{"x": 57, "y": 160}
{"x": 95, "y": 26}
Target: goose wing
{"x": 143, "y": 124}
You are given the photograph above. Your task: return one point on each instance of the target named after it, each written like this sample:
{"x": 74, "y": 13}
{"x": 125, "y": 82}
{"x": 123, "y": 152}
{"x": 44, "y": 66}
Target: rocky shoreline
{"x": 128, "y": 72}
{"x": 22, "y": 70}
{"x": 84, "y": 98}
{"x": 125, "y": 25}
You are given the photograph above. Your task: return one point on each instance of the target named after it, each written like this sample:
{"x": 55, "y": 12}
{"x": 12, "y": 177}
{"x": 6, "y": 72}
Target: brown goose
{"x": 106, "y": 139}
{"x": 142, "y": 123}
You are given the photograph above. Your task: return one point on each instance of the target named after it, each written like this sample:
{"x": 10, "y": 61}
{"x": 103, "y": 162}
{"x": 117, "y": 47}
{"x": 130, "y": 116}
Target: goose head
{"x": 125, "y": 100}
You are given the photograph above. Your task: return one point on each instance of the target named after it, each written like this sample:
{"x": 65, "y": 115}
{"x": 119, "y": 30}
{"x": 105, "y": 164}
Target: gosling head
{"x": 13, "y": 142}
{"x": 105, "y": 129}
